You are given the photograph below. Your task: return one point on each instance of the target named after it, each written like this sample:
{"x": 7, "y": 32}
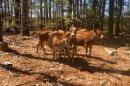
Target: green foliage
{"x": 67, "y": 21}
{"x": 10, "y": 23}
{"x": 52, "y": 25}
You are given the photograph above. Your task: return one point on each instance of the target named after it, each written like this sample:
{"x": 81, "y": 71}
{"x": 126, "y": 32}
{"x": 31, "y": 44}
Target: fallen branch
{"x": 110, "y": 52}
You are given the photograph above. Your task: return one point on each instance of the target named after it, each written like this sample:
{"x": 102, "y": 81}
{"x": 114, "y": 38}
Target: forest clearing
{"x": 30, "y": 69}
{"x": 64, "y": 42}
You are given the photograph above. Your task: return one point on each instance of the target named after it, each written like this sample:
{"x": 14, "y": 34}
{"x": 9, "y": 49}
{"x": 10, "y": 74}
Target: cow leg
{"x": 72, "y": 56}
{"x": 60, "y": 54}
{"x": 53, "y": 54}
{"x": 67, "y": 54}
{"x": 64, "y": 52}
{"x": 90, "y": 49}
{"x": 38, "y": 47}
{"x": 86, "y": 48}
{"x": 74, "y": 51}
{"x": 42, "y": 46}
{"x": 56, "y": 55}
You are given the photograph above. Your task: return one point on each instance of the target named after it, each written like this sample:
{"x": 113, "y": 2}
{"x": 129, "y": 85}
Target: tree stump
{"x": 4, "y": 46}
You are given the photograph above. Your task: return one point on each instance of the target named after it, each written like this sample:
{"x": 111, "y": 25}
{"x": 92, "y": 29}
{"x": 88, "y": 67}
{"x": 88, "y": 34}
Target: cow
{"x": 87, "y": 39}
{"x": 43, "y": 39}
{"x": 58, "y": 42}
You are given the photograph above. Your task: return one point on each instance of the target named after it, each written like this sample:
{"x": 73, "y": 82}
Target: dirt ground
{"x": 30, "y": 69}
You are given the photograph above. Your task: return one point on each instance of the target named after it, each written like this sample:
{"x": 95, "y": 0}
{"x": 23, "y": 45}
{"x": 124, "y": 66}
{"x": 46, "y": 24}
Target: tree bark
{"x": 110, "y": 24}
{"x": 62, "y": 14}
{"x": 1, "y": 22}
{"x": 117, "y": 30}
{"x": 77, "y": 9}
{"x": 17, "y": 15}
{"x": 46, "y": 9}
{"x": 94, "y": 5}
{"x": 70, "y": 9}
{"x": 24, "y": 18}
{"x": 103, "y": 11}
{"x": 41, "y": 15}
{"x": 50, "y": 9}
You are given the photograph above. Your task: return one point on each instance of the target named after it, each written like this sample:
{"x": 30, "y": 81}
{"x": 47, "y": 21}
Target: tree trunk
{"x": 1, "y": 36}
{"x": 85, "y": 6}
{"x": 53, "y": 10}
{"x": 70, "y": 9}
{"x": 74, "y": 9}
{"x": 17, "y": 15}
{"x": 110, "y": 24}
{"x": 62, "y": 15}
{"x": 11, "y": 11}
{"x": 103, "y": 11}
{"x": 5, "y": 12}
{"x": 41, "y": 15}
{"x": 31, "y": 15}
{"x": 56, "y": 12}
{"x": 24, "y": 18}
{"x": 46, "y": 9}
{"x": 94, "y": 8}
{"x": 1, "y": 22}
{"x": 81, "y": 4}
{"x": 117, "y": 30}
{"x": 50, "y": 9}
{"x": 94, "y": 5}
{"x": 3, "y": 45}
{"x": 77, "y": 9}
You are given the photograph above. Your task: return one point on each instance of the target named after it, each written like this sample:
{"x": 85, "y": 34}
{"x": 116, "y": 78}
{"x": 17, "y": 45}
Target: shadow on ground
{"x": 118, "y": 41}
{"x": 44, "y": 77}
{"x": 79, "y": 63}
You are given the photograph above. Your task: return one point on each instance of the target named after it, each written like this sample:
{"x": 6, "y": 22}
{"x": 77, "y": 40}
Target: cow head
{"x": 72, "y": 31}
{"x": 99, "y": 34}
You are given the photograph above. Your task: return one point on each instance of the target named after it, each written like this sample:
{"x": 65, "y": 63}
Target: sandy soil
{"x": 30, "y": 69}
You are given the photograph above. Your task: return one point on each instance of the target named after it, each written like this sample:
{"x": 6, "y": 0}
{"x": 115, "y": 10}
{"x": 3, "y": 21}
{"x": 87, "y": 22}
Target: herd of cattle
{"x": 66, "y": 42}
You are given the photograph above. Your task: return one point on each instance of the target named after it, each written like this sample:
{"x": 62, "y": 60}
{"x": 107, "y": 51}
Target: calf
{"x": 43, "y": 39}
{"x": 58, "y": 42}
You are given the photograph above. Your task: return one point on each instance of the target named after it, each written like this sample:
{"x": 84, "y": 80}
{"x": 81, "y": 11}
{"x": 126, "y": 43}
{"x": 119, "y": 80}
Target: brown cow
{"x": 58, "y": 42}
{"x": 87, "y": 39}
{"x": 43, "y": 39}
{"x": 81, "y": 30}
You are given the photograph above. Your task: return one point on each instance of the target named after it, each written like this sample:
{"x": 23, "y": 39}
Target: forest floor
{"x": 30, "y": 69}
